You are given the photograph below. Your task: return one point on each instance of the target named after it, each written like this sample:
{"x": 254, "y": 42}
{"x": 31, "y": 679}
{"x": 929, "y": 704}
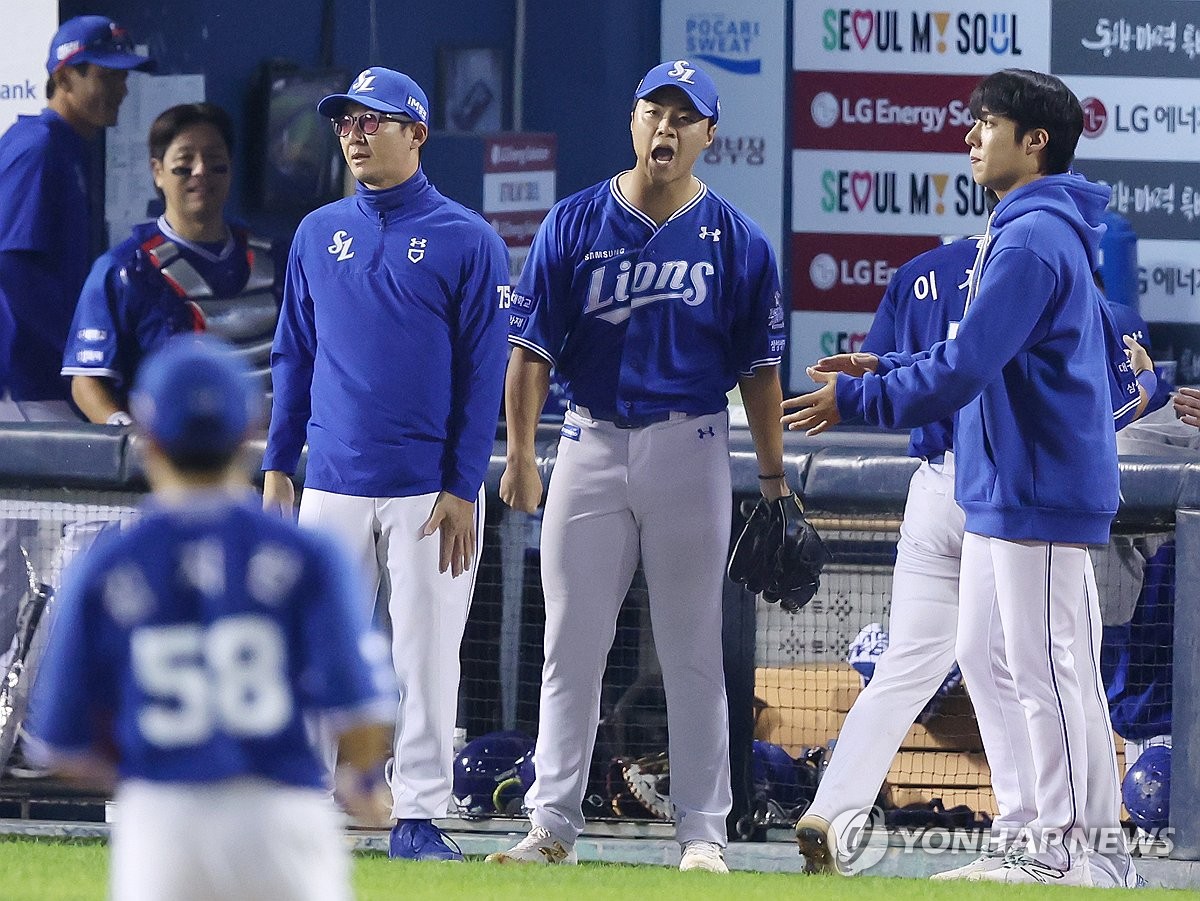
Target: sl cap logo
{"x": 363, "y": 84}
{"x": 682, "y": 72}
{"x": 340, "y": 247}
{"x": 416, "y": 249}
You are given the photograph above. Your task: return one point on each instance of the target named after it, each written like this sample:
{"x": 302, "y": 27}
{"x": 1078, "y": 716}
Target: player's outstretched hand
{"x": 855, "y": 364}
{"x": 454, "y": 519}
{"x": 521, "y": 485}
{"x": 816, "y": 411}
{"x": 1187, "y": 405}
{"x": 279, "y": 494}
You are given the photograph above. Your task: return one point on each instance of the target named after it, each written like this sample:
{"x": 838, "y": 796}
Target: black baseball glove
{"x": 779, "y": 554}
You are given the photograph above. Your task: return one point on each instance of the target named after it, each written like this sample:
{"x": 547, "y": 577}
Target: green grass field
{"x": 51, "y": 870}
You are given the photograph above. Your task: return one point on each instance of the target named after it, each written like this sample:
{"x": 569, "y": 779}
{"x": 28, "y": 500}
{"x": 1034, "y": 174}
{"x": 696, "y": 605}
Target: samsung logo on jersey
{"x": 605, "y": 254}
{"x": 636, "y": 286}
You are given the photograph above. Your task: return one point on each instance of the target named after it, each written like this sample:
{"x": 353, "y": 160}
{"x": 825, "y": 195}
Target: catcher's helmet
{"x": 486, "y": 774}
{"x": 1146, "y": 790}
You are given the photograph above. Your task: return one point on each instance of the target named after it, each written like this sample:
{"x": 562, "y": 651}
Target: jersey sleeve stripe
{"x": 529, "y": 345}
{"x": 1121, "y": 411}
{"x": 758, "y": 364}
{"x": 87, "y": 370}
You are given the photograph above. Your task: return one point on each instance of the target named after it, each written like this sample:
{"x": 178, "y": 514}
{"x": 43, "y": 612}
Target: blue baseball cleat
{"x": 421, "y": 840}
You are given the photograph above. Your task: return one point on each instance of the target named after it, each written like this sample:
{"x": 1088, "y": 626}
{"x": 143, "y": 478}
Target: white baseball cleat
{"x": 1021, "y": 868}
{"x": 992, "y": 860}
{"x": 539, "y": 846}
{"x": 699, "y": 855}
{"x": 816, "y": 844}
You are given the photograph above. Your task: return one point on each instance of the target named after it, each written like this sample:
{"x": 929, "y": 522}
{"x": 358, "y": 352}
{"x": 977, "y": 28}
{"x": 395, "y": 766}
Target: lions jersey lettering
{"x": 657, "y": 318}
{"x": 648, "y": 282}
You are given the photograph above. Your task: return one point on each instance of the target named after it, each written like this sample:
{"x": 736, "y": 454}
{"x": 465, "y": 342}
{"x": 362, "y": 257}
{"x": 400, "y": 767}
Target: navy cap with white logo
{"x": 97, "y": 40}
{"x": 195, "y": 396}
{"x": 694, "y": 82}
{"x": 385, "y": 90}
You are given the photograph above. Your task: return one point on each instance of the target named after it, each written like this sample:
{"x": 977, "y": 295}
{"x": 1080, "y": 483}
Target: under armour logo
{"x": 363, "y": 84}
{"x": 706, "y": 232}
{"x": 681, "y": 71}
{"x": 416, "y": 249}
{"x": 706, "y": 433}
{"x": 340, "y": 247}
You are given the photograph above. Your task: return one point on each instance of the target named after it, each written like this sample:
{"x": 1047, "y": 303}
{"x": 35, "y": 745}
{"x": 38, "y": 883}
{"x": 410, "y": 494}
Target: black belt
{"x": 626, "y": 422}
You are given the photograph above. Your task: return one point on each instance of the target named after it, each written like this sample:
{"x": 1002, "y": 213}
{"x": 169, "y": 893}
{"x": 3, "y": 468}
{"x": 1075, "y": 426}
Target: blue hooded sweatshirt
{"x": 1035, "y": 455}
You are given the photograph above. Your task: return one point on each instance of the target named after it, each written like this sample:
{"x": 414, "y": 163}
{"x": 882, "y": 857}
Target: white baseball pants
{"x": 661, "y": 493}
{"x": 237, "y": 840}
{"x": 428, "y": 610}
{"x": 1049, "y": 620}
{"x": 922, "y": 626}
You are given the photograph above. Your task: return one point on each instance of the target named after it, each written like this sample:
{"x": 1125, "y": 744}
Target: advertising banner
{"x": 851, "y": 111}
{"x": 888, "y": 193}
{"x": 1160, "y": 199}
{"x": 29, "y": 26}
{"x": 822, "y": 334}
{"x": 1138, "y": 118}
{"x": 915, "y": 36}
{"x": 1169, "y": 280}
{"x": 742, "y": 45}
{"x": 519, "y": 186}
{"x": 1126, "y": 37}
{"x": 848, "y": 273}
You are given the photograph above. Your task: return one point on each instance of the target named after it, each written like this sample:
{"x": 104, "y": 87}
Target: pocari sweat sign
{"x": 742, "y": 45}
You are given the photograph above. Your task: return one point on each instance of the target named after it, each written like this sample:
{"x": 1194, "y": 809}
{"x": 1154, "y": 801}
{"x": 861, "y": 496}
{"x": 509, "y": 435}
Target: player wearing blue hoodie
{"x": 1036, "y": 469}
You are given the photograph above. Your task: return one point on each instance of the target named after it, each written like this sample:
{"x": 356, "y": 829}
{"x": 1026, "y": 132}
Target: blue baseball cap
{"x": 381, "y": 89}
{"x": 693, "y": 81}
{"x": 97, "y": 40}
{"x": 195, "y": 396}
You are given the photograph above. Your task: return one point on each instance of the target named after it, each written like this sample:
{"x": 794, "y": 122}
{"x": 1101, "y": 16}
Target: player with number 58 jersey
{"x": 186, "y": 652}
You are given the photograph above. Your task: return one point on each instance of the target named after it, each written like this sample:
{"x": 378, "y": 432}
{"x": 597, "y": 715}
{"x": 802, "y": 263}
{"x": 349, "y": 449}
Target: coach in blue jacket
{"x": 389, "y": 357}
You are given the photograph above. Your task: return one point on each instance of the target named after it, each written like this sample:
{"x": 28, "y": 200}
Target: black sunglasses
{"x": 368, "y": 123}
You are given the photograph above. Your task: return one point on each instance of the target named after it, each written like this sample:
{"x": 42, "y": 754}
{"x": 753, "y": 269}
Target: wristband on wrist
{"x": 772, "y": 478}
{"x": 1148, "y": 379}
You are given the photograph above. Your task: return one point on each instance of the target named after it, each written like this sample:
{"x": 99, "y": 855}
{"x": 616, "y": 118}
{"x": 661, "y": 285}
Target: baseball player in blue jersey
{"x": 924, "y": 304}
{"x": 150, "y": 286}
{"x": 186, "y": 649}
{"x": 45, "y": 208}
{"x": 650, "y": 297}
{"x": 46, "y": 243}
{"x": 390, "y": 355}
{"x": 1036, "y": 466}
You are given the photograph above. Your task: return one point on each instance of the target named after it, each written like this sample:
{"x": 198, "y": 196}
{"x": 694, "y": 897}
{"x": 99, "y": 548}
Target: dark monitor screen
{"x": 300, "y": 160}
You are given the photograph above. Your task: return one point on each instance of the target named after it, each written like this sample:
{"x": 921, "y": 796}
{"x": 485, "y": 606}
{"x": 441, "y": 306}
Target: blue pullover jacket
{"x": 390, "y": 350}
{"x": 1035, "y": 451}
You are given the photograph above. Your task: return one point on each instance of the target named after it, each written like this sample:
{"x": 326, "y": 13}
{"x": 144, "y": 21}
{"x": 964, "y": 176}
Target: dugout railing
{"x": 58, "y": 483}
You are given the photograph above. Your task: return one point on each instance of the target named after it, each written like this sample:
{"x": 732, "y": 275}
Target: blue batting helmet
{"x": 487, "y": 771}
{"x": 1146, "y": 790}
